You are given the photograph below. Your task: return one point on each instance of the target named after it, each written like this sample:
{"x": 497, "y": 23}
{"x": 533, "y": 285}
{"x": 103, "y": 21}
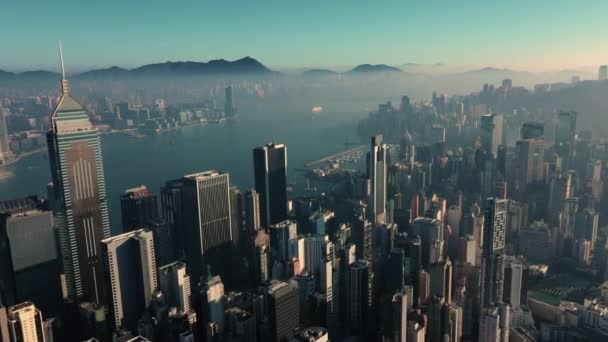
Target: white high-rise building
{"x": 377, "y": 176}
{"x": 131, "y": 267}
{"x": 25, "y": 323}
{"x": 175, "y": 284}
{"x": 513, "y": 280}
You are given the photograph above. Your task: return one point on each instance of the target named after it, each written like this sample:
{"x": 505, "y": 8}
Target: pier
{"x": 337, "y": 155}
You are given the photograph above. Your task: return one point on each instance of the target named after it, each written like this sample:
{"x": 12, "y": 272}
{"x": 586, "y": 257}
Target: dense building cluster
{"x": 454, "y": 232}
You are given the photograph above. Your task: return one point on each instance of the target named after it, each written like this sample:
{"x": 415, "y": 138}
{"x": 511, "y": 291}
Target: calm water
{"x": 152, "y": 160}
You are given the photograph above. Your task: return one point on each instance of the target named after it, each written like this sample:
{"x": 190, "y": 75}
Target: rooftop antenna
{"x": 64, "y": 81}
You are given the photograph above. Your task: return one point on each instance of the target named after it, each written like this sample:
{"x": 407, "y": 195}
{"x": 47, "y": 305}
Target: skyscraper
{"x": 229, "y": 109}
{"x": 359, "y": 297}
{"x": 532, "y": 130}
{"x": 434, "y": 333}
{"x": 415, "y": 332}
{"x": 175, "y": 284}
{"x": 4, "y": 331}
{"x": 206, "y": 218}
{"x": 236, "y": 215}
{"x": 251, "y": 203}
{"x": 494, "y": 324}
{"x": 171, "y": 206}
{"x": 494, "y": 234}
{"x": 565, "y": 131}
{"x": 491, "y": 133}
{"x": 377, "y": 175}
{"x": 568, "y": 217}
{"x": 130, "y": 268}
{"x": 80, "y": 195}
{"x": 270, "y": 173}
{"x": 284, "y": 309}
{"x": 215, "y": 301}
{"x": 29, "y": 255}
{"x": 26, "y": 324}
{"x": 452, "y": 322}
{"x": 139, "y": 208}
{"x": 5, "y": 150}
{"x": 530, "y": 162}
{"x": 399, "y": 318}
{"x": 513, "y": 282}
{"x": 603, "y": 73}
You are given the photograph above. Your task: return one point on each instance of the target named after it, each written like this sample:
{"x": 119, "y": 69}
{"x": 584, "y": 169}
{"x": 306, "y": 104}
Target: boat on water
{"x": 317, "y": 109}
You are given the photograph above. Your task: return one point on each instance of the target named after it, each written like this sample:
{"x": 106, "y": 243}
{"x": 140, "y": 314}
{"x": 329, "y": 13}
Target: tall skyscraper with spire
{"x": 80, "y": 195}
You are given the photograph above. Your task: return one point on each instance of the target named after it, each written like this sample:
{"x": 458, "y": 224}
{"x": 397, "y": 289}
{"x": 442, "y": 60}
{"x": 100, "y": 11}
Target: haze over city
{"x": 392, "y": 171}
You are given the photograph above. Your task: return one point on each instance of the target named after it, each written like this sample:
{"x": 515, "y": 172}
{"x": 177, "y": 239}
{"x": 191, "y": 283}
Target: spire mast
{"x": 64, "y": 82}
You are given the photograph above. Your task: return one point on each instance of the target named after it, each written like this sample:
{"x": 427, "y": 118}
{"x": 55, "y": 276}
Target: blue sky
{"x": 537, "y": 34}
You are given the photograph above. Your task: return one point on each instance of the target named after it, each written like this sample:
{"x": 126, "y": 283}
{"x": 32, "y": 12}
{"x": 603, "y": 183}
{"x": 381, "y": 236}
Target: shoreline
{"x": 22, "y": 155}
{"x": 128, "y": 132}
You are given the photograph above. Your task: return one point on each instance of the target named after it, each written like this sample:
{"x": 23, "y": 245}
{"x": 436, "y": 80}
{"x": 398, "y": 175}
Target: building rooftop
{"x": 204, "y": 174}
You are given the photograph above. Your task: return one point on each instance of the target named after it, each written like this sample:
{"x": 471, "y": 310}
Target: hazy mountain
{"x": 6, "y": 75}
{"x": 111, "y": 72}
{"x": 319, "y": 72}
{"x": 369, "y": 68}
{"x": 245, "y": 65}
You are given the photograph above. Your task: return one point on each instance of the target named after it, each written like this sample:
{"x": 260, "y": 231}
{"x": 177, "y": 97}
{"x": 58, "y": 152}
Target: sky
{"x": 523, "y": 35}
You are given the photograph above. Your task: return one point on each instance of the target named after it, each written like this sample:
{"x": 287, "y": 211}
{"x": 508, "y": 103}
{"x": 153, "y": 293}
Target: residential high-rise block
{"x": 139, "y": 207}
{"x": 26, "y": 324}
{"x": 359, "y": 297}
{"x": 530, "y": 162}
{"x": 284, "y": 309}
{"x": 491, "y": 133}
{"x": 377, "y": 174}
{"x": 494, "y": 234}
{"x": 270, "y": 173}
{"x": 130, "y": 267}
{"x": 565, "y": 132}
{"x": 206, "y": 218}
{"x": 514, "y": 269}
{"x": 4, "y": 331}
{"x": 494, "y": 324}
{"x": 81, "y": 209}
{"x": 399, "y": 318}
{"x": 416, "y": 332}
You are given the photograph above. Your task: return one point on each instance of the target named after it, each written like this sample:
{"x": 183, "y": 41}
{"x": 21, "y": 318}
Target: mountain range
{"x": 246, "y": 65}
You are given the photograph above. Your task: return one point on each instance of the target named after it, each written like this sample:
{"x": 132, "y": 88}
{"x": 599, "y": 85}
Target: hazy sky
{"x": 520, "y": 34}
